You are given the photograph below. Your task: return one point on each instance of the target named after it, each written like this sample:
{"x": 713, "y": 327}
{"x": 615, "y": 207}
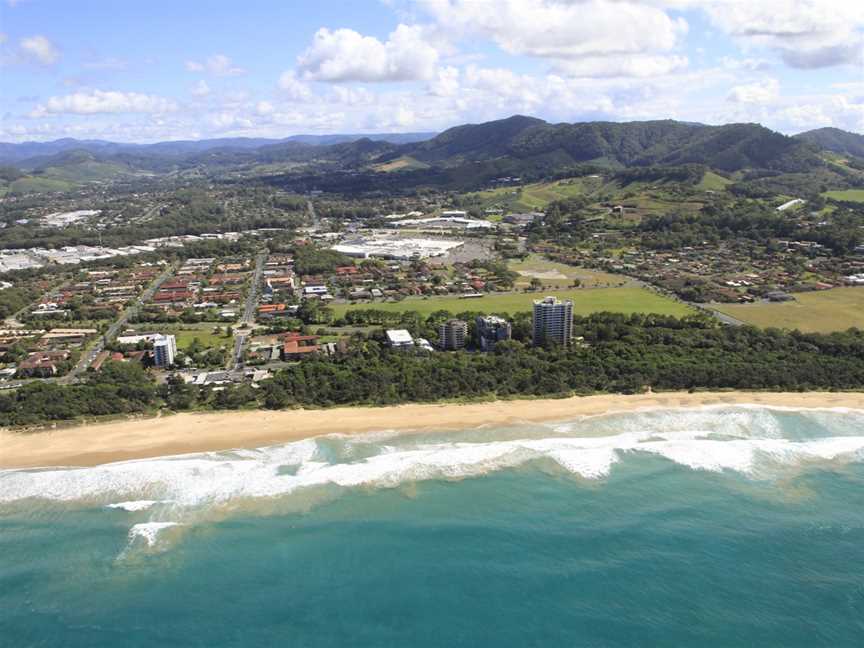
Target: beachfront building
{"x": 399, "y": 339}
{"x": 552, "y": 321}
{"x": 491, "y": 330}
{"x": 164, "y": 350}
{"x": 452, "y": 334}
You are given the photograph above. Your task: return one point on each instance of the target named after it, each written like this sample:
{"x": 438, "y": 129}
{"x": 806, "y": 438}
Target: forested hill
{"x": 836, "y": 140}
{"x": 461, "y": 157}
{"x": 731, "y": 147}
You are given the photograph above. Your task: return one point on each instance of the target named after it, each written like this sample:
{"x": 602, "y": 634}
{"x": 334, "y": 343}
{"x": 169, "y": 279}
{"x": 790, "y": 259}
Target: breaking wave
{"x": 756, "y": 442}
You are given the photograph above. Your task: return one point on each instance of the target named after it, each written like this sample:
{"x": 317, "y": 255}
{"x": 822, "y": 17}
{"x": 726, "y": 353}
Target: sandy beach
{"x": 89, "y": 445}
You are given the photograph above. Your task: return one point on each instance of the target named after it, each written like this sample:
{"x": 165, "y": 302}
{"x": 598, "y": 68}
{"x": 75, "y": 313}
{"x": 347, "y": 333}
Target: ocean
{"x": 717, "y": 526}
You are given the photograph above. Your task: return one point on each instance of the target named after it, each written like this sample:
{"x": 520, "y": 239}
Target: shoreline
{"x": 184, "y": 433}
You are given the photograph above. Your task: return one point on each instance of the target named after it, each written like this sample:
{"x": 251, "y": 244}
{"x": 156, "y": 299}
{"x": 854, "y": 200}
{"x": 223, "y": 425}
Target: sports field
{"x": 814, "y": 312}
{"x": 585, "y": 302}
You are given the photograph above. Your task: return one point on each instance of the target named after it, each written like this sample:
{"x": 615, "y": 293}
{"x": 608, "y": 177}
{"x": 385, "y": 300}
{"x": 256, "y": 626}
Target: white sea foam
{"x": 136, "y": 505}
{"x": 748, "y": 441}
{"x": 149, "y": 531}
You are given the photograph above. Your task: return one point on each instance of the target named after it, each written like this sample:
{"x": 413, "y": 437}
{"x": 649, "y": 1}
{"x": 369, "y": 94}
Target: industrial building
{"x": 401, "y": 249}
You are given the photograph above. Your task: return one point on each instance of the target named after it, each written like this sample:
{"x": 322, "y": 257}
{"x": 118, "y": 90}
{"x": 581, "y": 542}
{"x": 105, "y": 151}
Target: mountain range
{"x": 461, "y": 156}
{"x": 24, "y": 151}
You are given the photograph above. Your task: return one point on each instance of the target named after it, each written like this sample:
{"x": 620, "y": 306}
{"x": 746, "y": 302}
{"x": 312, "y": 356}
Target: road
{"x": 87, "y": 359}
{"x": 248, "y": 318}
{"x": 720, "y": 317}
{"x": 316, "y": 222}
{"x": 13, "y": 322}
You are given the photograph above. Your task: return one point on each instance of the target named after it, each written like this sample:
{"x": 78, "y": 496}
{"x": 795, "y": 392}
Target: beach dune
{"x": 93, "y": 444}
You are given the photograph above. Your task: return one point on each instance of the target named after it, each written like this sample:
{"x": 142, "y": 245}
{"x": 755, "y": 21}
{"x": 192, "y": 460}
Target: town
{"x": 314, "y": 274}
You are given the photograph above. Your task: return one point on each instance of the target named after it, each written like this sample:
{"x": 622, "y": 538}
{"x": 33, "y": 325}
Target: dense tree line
{"x": 14, "y": 299}
{"x": 312, "y": 260}
{"x": 620, "y": 353}
{"x": 120, "y": 388}
{"x": 841, "y": 234}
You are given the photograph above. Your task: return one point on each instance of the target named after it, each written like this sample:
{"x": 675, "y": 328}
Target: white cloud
{"x": 3, "y": 38}
{"x": 200, "y": 89}
{"x": 353, "y": 96}
{"x": 227, "y": 120}
{"x": 99, "y": 101}
{"x": 346, "y": 55}
{"x": 39, "y": 49}
{"x": 635, "y": 66}
{"x": 563, "y": 30}
{"x": 294, "y": 89}
{"x": 759, "y": 92}
{"x": 446, "y": 83}
{"x": 217, "y": 65}
{"x": 265, "y": 108}
{"x": 807, "y": 34}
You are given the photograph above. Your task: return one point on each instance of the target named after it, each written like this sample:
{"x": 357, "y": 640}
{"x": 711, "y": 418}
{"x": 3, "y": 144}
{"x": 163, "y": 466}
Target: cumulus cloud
{"x": 759, "y": 92}
{"x": 265, "y": 108}
{"x": 39, "y": 50}
{"x": 446, "y": 82}
{"x": 807, "y": 34}
{"x": 565, "y": 30}
{"x": 200, "y": 89}
{"x": 100, "y": 101}
{"x": 228, "y": 120}
{"x": 292, "y": 88}
{"x": 635, "y": 66}
{"x": 346, "y": 55}
{"x": 217, "y": 65}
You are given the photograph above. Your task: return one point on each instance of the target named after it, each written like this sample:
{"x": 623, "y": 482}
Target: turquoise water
{"x": 709, "y": 527}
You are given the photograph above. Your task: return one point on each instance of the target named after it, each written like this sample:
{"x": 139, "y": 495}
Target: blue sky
{"x": 135, "y": 70}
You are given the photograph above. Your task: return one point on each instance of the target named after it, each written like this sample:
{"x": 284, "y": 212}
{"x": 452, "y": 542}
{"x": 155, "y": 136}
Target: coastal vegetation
{"x": 616, "y": 353}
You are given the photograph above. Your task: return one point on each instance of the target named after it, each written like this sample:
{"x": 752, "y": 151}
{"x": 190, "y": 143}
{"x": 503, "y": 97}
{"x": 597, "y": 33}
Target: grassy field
{"x": 560, "y": 275}
{"x": 850, "y": 195}
{"x": 186, "y": 333}
{"x": 536, "y": 196}
{"x": 713, "y": 182}
{"x": 817, "y": 312}
{"x": 33, "y": 184}
{"x": 585, "y": 302}
{"x": 404, "y": 163}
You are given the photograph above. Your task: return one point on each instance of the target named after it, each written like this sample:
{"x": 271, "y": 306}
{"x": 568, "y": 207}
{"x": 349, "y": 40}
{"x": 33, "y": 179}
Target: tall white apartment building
{"x": 164, "y": 350}
{"x": 553, "y": 321}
